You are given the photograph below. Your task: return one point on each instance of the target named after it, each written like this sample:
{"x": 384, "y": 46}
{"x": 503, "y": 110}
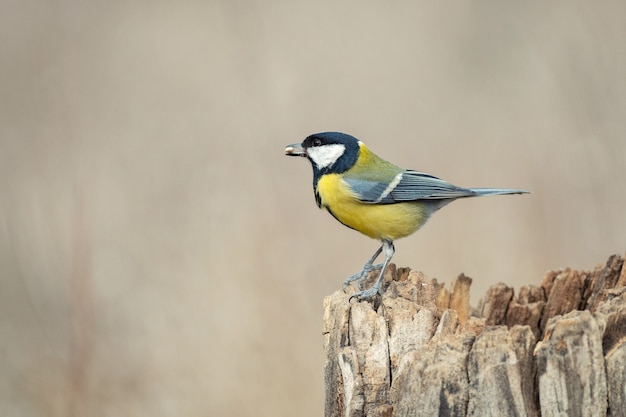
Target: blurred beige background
{"x": 159, "y": 256}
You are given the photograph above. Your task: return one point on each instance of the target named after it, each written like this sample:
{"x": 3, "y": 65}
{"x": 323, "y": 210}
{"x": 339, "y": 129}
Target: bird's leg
{"x": 389, "y": 251}
{"x": 365, "y": 271}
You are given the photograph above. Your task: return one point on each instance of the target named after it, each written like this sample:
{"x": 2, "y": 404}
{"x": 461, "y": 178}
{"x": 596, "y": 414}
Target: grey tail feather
{"x": 496, "y": 191}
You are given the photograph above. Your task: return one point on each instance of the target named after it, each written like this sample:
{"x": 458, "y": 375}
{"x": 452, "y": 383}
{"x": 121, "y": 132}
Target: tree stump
{"x": 558, "y": 349}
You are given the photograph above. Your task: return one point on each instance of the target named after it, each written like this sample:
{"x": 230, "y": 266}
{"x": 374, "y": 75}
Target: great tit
{"x": 373, "y": 196}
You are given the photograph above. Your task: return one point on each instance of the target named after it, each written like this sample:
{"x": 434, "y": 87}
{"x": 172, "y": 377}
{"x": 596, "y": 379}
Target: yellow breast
{"x": 378, "y": 221}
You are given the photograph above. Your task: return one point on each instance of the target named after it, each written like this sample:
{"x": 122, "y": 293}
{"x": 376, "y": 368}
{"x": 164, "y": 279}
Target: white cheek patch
{"x": 325, "y": 156}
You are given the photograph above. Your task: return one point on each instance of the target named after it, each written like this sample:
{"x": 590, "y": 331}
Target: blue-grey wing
{"x": 415, "y": 185}
{"x": 367, "y": 191}
{"x": 406, "y": 186}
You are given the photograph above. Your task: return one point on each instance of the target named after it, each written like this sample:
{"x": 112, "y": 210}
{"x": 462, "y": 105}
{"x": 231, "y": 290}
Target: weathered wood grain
{"x": 418, "y": 349}
{"x": 570, "y": 367}
{"x": 611, "y": 317}
{"x": 496, "y": 303}
{"x": 500, "y": 363}
{"x": 527, "y": 309}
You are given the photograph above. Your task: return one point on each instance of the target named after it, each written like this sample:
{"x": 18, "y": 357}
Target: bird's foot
{"x": 365, "y": 294}
{"x": 360, "y": 276}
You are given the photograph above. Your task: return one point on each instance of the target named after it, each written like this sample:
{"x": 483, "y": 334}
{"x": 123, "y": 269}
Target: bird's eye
{"x": 317, "y": 142}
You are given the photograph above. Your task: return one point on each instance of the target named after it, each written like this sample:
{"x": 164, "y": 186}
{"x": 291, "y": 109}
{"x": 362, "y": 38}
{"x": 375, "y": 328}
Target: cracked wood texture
{"x": 558, "y": 349}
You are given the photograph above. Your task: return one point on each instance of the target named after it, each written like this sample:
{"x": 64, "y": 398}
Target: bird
{"x": 375, "y": 197}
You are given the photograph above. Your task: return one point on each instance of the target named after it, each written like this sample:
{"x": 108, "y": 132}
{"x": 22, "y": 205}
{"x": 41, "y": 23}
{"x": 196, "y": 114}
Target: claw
{"x": 364, "y": 295}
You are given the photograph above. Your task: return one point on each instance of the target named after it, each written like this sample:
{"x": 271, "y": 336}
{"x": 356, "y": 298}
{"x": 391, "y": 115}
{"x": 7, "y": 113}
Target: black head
{"x": 331, "y": 152}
